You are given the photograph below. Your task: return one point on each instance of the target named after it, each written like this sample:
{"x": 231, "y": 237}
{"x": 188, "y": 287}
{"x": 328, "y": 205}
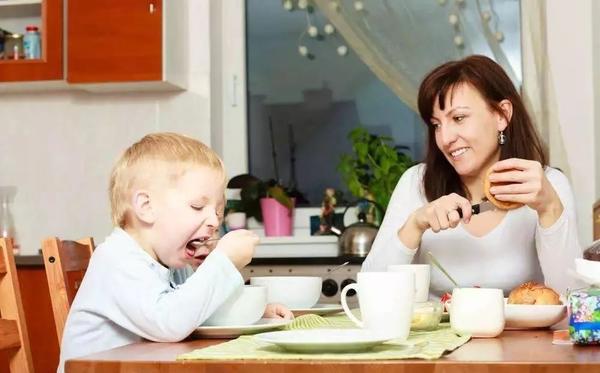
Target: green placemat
{"x": 419, "y": 345}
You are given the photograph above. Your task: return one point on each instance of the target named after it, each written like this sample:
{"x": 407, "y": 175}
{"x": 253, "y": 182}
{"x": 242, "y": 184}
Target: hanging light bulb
{"x": 329, "y": 29}
{"x": 486, "y": 16}
{"x": 453, "y": 19}
{"x": 334, "y": 5}
{"x": 303, "y": 50}
{"x": 459, "y": 41}
{"x": 342, "y": 50}
{"x": 302, "y": 4}
{"x": 313, "y": 31}
{"x": 288, "y": 5}
{"x": 499, "y": 36}
{"x": 359, "y": 6}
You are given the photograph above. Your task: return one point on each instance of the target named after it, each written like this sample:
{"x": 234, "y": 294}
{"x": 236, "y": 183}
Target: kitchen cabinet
{"x": 111, "y": 42}
{"x": 48, "y": 16}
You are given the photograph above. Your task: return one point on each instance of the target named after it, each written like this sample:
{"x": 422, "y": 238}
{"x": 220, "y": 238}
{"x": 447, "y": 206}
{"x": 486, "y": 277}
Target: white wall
{"x": 58, "y": 148}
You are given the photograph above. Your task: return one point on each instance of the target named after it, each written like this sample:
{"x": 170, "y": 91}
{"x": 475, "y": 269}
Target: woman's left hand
{"x": 277, "y": 311}
{"x": 526, "y": 182}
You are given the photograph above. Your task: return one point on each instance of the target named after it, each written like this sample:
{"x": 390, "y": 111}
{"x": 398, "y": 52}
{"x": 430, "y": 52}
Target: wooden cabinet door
{"x": 50, "y": 66}
{"x": 114, "y": 41}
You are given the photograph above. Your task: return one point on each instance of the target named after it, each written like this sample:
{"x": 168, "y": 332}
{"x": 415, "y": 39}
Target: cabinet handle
{"x": 152, "y": 8}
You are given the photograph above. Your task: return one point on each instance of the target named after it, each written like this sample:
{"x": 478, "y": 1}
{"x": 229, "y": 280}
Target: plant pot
{"x": 278, "y": 220}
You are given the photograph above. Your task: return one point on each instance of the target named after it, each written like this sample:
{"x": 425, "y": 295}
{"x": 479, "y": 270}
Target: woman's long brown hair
{"x": 493, "y": 85}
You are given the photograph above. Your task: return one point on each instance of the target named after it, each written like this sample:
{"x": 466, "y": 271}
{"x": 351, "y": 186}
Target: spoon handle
{"x": 439, "y": 266}
{"x": 338, "y": 267}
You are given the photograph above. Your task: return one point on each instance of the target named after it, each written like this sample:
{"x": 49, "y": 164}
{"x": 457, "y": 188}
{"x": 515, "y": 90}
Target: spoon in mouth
{"x": 199, "y": 243}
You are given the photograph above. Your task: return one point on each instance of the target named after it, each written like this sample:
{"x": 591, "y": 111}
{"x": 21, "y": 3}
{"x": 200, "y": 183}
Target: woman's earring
{"x": 501, "y": 138}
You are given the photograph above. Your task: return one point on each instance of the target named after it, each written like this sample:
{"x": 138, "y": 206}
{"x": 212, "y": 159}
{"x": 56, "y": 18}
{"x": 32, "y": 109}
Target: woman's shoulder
{"x": 415, "y": 172}
{"x": 555, "y": 176}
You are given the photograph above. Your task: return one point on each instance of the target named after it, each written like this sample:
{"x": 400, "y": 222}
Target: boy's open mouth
{"x": 197, "y": 249}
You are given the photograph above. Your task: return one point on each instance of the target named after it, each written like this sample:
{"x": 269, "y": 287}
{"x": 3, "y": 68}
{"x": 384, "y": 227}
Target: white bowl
{"x": 526, "y": 316}
{"x": 244, "y": 307}
{"x": 590, "y": 269}
{"x": 295, "y": 292}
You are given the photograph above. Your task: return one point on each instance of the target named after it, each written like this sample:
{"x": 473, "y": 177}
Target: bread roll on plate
{"x": 533, "y": 293}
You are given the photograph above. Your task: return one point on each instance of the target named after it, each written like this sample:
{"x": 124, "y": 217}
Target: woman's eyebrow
{"x": 451, "y": 111}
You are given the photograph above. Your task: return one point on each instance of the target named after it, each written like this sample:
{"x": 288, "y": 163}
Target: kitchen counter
{"x": 29, "y": 260}
{"x": 511, "y": 352}
{"x": 38, "y": 260}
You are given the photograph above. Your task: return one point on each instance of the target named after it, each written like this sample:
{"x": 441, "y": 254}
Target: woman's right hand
{"x": 442, "y": 213}
{"x": 437, "y": 215}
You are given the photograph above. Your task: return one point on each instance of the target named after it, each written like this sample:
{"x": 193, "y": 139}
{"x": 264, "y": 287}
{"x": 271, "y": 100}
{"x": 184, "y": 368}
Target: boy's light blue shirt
{"x": 127, "y": 296}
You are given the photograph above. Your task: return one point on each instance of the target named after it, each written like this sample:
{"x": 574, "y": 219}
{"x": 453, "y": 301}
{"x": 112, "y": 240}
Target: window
{"x": 301, "y": 110}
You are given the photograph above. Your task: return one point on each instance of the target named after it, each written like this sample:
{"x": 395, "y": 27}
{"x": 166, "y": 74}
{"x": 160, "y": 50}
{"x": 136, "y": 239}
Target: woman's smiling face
{"x": 466, "y": 130}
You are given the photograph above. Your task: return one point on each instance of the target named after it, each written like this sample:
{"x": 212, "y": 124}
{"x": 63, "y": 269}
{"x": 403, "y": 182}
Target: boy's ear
{"x": 142, "y": 206}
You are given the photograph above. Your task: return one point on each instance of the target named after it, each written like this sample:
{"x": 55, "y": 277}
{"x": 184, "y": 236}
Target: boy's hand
{"x": 239, "y": 246}
{"x": 277, "y": 311}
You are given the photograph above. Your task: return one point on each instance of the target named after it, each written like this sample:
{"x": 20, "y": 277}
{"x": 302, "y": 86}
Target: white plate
{"x": 324, "y": 340}
{"x": 587, "y": 272}
{"x": 318, "y": 309}
{"x": 235, "y": 331}
{"x": 529, "y": 316}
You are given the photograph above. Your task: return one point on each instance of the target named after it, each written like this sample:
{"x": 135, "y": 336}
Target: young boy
{"x": 166, "y": 192}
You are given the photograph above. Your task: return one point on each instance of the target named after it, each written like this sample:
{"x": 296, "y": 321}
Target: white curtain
{"x": 538, "y": 91}
{"x": 402, "y": 40}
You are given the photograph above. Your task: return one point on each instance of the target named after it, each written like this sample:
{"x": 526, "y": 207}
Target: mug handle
{"x": 345, "y": 304}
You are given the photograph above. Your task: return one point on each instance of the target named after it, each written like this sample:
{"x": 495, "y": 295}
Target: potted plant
{"x": 374, "y": 168}
{"x": 268, "y": 202}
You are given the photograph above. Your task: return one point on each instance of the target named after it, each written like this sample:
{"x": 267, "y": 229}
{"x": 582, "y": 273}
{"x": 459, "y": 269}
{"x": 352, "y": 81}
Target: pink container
{"x": 277, "y": 219}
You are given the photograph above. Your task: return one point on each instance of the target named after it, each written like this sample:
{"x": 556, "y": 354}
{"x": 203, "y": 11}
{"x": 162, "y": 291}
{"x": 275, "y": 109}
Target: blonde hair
{"x": 168, "y": 153}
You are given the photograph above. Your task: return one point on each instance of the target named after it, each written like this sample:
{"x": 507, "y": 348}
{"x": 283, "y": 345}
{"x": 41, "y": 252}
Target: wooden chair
{"x": 66, "y": 263}
{"x": 13, "y": 329}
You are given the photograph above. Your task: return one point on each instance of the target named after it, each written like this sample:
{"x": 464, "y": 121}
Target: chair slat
{"x": 13, "y": 329}
{"x": 9, "y": 334}
{"x": 66, "y": 263}
{"x": 2, "y": 265}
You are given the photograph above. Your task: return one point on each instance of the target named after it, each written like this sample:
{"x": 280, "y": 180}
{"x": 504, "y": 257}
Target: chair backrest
{"x": 66, "y": 263}
{"x": 13, "y": 329}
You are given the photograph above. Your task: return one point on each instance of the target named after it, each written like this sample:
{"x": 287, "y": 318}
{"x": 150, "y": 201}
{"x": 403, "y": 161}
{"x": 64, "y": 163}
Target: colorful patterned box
{"x": 584, "y": 316}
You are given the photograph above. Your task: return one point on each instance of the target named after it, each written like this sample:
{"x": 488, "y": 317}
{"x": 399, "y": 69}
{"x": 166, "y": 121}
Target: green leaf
{"x": 375, "y": 166}
{"x": 281, "y": 196}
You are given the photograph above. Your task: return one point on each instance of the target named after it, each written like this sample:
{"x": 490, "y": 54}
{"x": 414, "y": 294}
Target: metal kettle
{"x": 357, "y": 238}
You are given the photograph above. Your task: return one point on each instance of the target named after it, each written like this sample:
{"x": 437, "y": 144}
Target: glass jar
{"x": 13, "y": 47}
{"x": 32, "y": 43}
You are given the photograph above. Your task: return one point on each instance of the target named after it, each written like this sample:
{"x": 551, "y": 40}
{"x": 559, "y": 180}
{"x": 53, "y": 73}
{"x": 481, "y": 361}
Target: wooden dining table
{"x": 511, "y": 352}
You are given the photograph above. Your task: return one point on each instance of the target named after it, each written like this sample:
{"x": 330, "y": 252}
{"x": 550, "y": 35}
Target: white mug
{"x": 235, "y": 220}
{"x": 422, "y": 277}
{"x": 477, "y": 311}
{"x": 386, "y": 302}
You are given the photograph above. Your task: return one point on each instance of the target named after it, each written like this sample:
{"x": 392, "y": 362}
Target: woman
{"x": 476, "y": 122}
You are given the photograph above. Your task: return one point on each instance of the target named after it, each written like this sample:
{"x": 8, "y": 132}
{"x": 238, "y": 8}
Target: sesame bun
{"x": 502, "y": 205}
{"x": 533, "y": 293}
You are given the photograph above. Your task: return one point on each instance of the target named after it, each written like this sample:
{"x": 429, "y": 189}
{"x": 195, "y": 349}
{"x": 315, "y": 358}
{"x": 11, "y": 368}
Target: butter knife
{"x": 479, "y": 208}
